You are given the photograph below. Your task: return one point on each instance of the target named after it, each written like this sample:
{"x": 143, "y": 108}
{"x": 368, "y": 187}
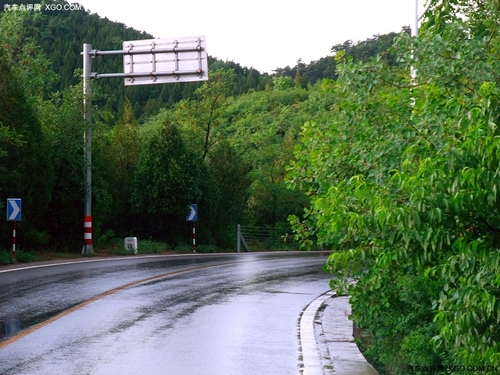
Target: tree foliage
{"x": 25, "y": 150}
{"x": 263, "y": 127}
{"x": 166, "y": 182}
{"x": 117, "y": 151}
{"x": 402, "y": 179}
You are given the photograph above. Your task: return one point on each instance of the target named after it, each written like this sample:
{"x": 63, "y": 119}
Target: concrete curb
{"x": 312, "y": 362}
{"x": 326, "y": 339}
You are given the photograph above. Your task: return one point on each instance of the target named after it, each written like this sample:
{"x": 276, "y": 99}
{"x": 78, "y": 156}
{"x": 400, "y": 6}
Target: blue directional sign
{"x": 13, "y": 209}
{"x": 193, "y": 213}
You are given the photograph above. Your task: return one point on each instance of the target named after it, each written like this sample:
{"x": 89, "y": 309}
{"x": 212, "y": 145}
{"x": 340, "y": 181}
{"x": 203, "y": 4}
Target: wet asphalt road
{"x": 194, "y": 314}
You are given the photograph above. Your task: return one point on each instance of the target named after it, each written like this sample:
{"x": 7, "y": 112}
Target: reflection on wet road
{"x": 233, "y": 314}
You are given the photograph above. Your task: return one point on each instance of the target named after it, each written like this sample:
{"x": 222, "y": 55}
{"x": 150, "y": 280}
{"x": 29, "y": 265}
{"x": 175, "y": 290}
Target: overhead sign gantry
{"x": 149, "y": 61}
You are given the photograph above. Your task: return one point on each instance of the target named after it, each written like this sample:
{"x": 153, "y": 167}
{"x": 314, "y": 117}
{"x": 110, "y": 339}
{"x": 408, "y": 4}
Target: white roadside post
{"x": 150, "y": 61}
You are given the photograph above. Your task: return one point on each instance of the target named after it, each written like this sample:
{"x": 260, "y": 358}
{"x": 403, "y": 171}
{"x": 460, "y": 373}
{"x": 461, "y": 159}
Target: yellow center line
{"x": 38, "y": 326}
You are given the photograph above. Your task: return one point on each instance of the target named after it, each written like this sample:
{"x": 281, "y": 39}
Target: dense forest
{"x": 386, "y": 152}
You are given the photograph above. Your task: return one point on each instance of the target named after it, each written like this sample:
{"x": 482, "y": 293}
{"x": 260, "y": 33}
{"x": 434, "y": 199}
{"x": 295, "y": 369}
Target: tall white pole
{"x": 414, "y": 34}
{"x": 414, "y": 30}
{"x": 87, "y": 219}
{"x": 416, "y": 18}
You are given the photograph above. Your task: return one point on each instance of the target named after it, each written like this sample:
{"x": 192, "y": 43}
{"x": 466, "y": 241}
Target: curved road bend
{"x": 192, "y": 314}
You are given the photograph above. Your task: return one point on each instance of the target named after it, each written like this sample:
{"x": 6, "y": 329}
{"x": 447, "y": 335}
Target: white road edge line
{"x": 88, "y": 261}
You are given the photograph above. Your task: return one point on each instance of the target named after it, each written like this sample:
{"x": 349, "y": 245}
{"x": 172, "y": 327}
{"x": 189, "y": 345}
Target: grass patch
{"x": 109, "y": 248}
{"x": 25, "y": 256}
{"x": 207, "y": 249}
{"x": 183, "y": 248}
{"x": 6, "y": 257}
{"x": 117, "y": 247}
{"x": 152, "y": 247}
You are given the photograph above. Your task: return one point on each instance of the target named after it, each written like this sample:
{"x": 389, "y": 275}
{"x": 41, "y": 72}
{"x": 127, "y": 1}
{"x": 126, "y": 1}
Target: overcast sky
{"x": 263, "y": 34}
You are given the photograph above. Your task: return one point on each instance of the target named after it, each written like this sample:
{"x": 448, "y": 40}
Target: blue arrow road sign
{"x": 13, "y": 209}
{"x": 193, "y": 213}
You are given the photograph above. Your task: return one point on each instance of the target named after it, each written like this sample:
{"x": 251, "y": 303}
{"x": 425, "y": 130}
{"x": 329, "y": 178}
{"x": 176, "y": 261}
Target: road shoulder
{"x": 327, "y": 342}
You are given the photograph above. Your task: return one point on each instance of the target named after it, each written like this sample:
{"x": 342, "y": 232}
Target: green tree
{"x": 402, "y": 180}
{"x": 63, "y": 126}
{"x": 210, "y": 104}
{"x": 22, "y": 162}
{"x": 283, "y": 83}
{"x": 262, "y": 129}
{"x": 167, "y": 180}
{"x": 363, "y": 51}
{"x": 117, "y": 152}
{"x": 25, "y": 57}
{"x": 230, "y": 189}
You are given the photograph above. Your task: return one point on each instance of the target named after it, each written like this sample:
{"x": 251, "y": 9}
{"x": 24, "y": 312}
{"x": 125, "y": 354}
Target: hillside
{"x": 234, "y": 136}
{"x": 61, "y": 34}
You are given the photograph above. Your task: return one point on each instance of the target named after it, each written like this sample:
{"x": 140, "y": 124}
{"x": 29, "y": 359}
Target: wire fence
{"x": 258, "y": 238}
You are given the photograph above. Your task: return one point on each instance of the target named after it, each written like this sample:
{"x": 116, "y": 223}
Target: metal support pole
{"x": 416, "y": 18}
{"x": 244, "y": 243}
{"x": 189, "y": 74}
{"x": 238, "y": 238}
{"x": 414, "y": 33}
{"x": 87, "y": 221}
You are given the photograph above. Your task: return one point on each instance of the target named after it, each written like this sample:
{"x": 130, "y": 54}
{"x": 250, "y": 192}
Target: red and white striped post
{"x": 194, "y": 236}
{"x": 87, "y": 231}
{"x": 14, "y": 241}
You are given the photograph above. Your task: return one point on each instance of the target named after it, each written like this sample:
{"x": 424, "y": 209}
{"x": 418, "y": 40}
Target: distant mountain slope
{"x": 61, "y": 34}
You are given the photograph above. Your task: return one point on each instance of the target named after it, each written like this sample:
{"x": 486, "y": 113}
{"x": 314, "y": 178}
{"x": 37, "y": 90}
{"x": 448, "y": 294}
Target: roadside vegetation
{"x": 403, "y": 177}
